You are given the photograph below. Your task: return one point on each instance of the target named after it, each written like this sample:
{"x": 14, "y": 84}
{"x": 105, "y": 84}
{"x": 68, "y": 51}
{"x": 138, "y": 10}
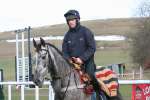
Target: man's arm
{"x": 65, "y": 48}
{"x": 91, "y": 46}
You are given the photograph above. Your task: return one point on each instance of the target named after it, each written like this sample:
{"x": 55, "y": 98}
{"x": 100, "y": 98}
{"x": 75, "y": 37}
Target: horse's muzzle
{"x": 38, "y": 82}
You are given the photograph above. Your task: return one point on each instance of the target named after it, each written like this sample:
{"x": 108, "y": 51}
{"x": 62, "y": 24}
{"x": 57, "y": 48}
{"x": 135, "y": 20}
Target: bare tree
{"x": 144, "y": 8}
{"x": 140, "y": 51}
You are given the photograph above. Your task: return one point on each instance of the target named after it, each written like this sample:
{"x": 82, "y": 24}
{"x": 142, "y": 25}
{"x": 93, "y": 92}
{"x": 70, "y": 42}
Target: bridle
{"x": 51, "y": 63}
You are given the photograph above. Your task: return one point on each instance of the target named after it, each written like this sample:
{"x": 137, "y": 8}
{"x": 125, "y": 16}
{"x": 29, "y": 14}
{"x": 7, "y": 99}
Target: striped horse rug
{"x": 108, "y": 81}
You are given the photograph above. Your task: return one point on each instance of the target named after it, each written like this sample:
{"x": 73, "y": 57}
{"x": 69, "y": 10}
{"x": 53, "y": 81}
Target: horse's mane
{"x": 53, "y": 46}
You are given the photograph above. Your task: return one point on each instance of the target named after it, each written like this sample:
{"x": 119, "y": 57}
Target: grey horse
{"x": 64, "y": 79}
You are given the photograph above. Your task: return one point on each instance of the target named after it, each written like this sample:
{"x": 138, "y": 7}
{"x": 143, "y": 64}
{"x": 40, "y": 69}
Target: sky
{"x": 16, "y": 14}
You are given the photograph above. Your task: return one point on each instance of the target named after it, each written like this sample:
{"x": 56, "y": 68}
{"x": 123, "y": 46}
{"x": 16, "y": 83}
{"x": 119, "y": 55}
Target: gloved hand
{"x": 77, "y": 60}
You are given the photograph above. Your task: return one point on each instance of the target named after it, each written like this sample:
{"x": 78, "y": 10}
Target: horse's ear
{"x": 34, "y": 43}
{"x": 42, "y": 41}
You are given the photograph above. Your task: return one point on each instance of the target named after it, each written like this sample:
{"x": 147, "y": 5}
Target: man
{"x": 79, "y": 44}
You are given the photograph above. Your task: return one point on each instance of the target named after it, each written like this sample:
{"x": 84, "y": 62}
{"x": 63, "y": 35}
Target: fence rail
{"x": 134, "y": 75}
{"x": 51, "y": 93}
{"x": 22, "y": 85}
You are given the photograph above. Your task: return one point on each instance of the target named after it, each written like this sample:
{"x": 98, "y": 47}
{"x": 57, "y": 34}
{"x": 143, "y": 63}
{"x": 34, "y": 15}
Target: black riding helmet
{"x": 72, "y": 14}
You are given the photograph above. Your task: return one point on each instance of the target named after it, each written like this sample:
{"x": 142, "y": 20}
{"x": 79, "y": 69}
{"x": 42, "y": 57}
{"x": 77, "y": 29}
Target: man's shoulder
{"x": 66, "y": 35}
{"x": 86, "y": 30}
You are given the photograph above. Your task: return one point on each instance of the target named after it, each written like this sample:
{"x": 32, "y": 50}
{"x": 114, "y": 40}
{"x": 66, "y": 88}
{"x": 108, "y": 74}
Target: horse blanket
{"x": 106, "y": 77}
{"x": 108, "y": 80}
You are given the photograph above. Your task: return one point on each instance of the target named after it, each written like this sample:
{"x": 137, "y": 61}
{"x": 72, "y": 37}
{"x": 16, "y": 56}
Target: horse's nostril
{"x": 43, "y": 57}
{"x": 38, "y": 81}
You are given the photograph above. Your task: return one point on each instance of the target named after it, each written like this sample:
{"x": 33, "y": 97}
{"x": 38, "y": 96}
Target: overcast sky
{"x": 15, "y": 14}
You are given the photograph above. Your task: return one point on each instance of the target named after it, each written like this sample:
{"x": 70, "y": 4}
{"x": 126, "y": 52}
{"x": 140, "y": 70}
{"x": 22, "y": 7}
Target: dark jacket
{"x": 79, "y": 43}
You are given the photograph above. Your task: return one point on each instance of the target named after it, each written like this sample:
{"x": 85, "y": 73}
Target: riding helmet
{"x": 72, "y": 14}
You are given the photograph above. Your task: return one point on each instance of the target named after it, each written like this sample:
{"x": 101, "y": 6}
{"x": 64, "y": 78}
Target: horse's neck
{"x": 69, "y": 77}
{"x": 61, "y": 65}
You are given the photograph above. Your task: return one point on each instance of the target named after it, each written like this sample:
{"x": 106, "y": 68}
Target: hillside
{"x": 99, "y": 27}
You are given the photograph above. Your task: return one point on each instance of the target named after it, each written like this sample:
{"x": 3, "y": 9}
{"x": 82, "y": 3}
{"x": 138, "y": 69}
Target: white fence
{"x": 22, "y": 84}
{"x": 51, "y": 93}
{"x": 134, "y": 82}
{"x": 130, "y": 76}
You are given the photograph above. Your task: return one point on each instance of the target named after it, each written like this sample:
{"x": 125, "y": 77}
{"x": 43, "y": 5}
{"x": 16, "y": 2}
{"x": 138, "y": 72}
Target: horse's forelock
{"x": 38, "y": 47}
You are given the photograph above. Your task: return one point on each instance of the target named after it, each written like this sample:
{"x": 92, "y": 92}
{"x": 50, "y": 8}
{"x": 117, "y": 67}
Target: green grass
{"x": 126, "y": 91}
{"x": 29, "y": 94}
{"x": 106, "y": 57}
{"x": 112, "y": 44}
{"x": 8, "y": 66}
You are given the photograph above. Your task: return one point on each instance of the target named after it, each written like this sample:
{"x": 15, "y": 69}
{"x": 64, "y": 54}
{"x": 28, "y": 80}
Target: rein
{"x": 52, "y": 63}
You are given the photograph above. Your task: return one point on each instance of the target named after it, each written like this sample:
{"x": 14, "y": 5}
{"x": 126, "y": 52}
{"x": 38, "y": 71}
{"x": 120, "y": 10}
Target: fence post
{"x": 23, "y": 58}
{"x": 141, "y": 72}
{"x": 36, "y": 93}
{"x": 17, "y": 56}
{"x": 29, "y": 53}
{"x": 51, "y": 93}
{"x": 133, "y": 73}
{"x": 9, "y": 92}
{"x": 22, "y": 92}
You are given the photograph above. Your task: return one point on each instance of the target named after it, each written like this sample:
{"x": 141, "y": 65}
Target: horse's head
{"x": 42, "y": 62}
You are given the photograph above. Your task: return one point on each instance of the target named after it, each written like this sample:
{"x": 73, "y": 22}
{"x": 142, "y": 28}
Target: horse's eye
{"x": 43, "y": 57}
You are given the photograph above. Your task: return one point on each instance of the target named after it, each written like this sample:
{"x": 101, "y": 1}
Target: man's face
{"x": 72, "y": 23}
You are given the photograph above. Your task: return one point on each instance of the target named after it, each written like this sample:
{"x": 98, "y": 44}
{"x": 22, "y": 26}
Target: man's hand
{"x": 77, "y": 60}
{"x": 70, "y": 60}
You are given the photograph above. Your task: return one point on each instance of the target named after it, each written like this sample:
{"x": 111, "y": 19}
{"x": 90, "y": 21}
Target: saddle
{"x": 106, "y": 78}
{"x": 84, "y": 79}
